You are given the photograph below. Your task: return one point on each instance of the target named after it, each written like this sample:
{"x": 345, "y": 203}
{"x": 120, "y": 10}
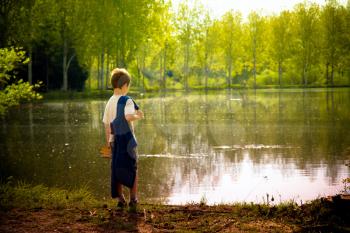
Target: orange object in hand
{"x": 106, "y": 152}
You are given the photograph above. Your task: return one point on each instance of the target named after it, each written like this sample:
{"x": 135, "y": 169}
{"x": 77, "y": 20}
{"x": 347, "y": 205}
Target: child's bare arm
{"x": 133, "y": 117}
{"x": 108, "y": 132}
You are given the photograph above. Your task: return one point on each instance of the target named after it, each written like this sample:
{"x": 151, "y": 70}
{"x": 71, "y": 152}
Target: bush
{"x": 18, "y": 91}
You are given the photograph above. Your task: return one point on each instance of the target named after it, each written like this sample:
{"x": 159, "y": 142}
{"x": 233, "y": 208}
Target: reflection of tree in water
{"x": 63, "y": 150}
{"x": 186, "y": 135}
{"x": 281, "y": 107}
{"x": 323, "y": 137}
{"x": 338, "y": 137}
{"x": 154, "y": 173}
{"x": 297, "y": 126}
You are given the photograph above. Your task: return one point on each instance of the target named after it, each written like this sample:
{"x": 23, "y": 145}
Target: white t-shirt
{"x": 110, "y": 112}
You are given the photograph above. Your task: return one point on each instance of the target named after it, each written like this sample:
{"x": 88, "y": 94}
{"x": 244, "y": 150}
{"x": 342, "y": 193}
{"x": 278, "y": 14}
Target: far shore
{"x": 140, "y": 92}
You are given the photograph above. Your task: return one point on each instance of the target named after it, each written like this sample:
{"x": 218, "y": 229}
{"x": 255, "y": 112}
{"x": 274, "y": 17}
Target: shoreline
{"x": 27, "y": 208}
{"x": 105, "y": 94}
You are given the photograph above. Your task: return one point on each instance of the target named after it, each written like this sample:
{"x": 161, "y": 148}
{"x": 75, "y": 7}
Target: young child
{"x": 118, "y": 116}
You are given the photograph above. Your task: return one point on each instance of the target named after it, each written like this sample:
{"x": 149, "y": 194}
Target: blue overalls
{"x": 123, "y": 164}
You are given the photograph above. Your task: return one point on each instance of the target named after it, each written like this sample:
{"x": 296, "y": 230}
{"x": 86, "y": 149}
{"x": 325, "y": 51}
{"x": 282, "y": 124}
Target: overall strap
{"x": 121, "y": 105}
{"x": 120, "y": 113}
{"x": 136, "y": 106}
{"x": 119, "y": 125}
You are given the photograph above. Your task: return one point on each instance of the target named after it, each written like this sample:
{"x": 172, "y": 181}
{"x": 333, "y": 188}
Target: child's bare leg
{"x": 133, "y": 190}
{"x": 120, "y": 193}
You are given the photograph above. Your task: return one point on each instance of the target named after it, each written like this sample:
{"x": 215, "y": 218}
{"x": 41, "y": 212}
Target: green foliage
{"x": 307, "y": 46}
{"x": 9, "y": 59}
{"x": 267, "y": 77}
{"x": 18, "y": 91}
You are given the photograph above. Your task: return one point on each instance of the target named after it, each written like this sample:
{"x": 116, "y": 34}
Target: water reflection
{"x": 222, "y": 146}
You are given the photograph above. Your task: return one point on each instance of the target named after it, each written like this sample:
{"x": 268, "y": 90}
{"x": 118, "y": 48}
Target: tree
{"x": 255, "y": 30}
{"x": 13, "y": 91}
{"x": 206, "y": 45}
{"x": 282, "y": 37}
{"x": 332, "y": 29}
{"x": 187, "y": 26}
{"x": 8, "y": 15}
{"x": 231, "y": 43}
{"x": 160, "y": 31}
{"x": 72, "y": 26}
{"x": 307, "y": 18}
{"x": 167, "y": 49}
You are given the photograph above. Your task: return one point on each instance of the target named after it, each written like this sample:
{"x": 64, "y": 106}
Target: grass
{"x": 23, "y": 205}
{"x": 26, "y": 196}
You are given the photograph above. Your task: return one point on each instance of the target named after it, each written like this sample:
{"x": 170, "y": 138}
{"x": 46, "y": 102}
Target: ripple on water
{"x": 172, "y": 156}
{"x": 253, "y": 146}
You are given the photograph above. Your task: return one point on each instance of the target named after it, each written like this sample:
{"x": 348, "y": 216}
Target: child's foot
{"x": 121, "y": 204}
{"x": 133, "y": 205}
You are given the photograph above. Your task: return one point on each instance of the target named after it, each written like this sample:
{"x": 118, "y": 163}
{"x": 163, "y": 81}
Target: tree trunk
{"x": 332, "y": 74}
{"x": 254, "y": 60}
{"x": 327, "y": 78}
{"x": 160, "y": 70}
{"x": 164, "y": 67}
{"x": 138, "y": 72}
{"x": 65, "y": 75}
{"x": 206, "y": 68}
{"x": 107, "y": 70}
{"x": 187, "y": 54}
{"x": 143, "y": 65}
{"x": 90, "y": 82}
{"x": 117, "y": 57}
{"x": 47, "y": 74}
{"x": 30, "y": 67}
{"x": 254, "y": 71}
{"x": 304, "y": 75}
{"x": 254, "y": 67}
{"x": 206, "y": 73}
{"x": 66, "y": 70}
{"x": 229, "y": 74}
{"x": 143, "y": 82}
{"x": 279, "y": 73}
{"x": 98, "y": 72}
{"x": 102, "y": 67}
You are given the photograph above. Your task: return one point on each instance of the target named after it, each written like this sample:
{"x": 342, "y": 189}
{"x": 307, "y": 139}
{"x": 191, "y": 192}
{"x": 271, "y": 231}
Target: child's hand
{"x": 106, "y": 152}
{"x": 139, "y": 113}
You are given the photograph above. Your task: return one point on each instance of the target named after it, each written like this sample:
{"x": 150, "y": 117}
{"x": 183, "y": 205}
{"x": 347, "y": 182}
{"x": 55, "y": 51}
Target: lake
{"x": 220, "y": 147}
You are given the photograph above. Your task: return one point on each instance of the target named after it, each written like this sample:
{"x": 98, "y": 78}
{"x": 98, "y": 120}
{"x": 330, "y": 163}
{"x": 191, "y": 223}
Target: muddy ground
{"x": 162, "y": 218}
